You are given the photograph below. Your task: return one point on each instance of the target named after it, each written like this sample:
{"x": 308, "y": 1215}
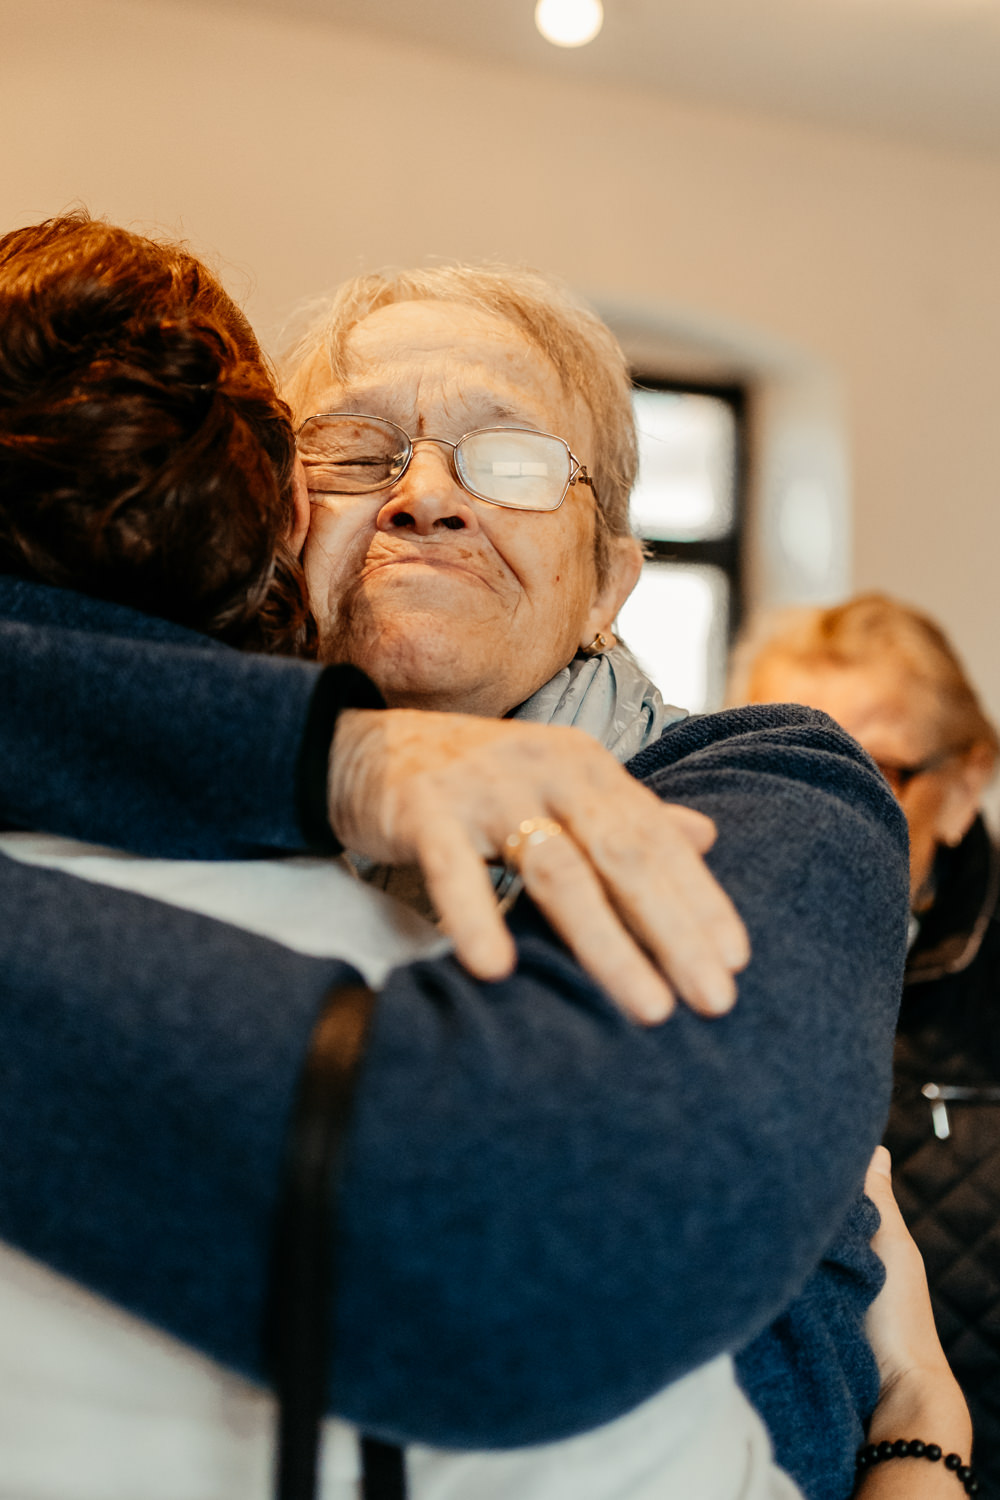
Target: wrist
{"x": 349, "y": 770}
{"x": 924, "y": 1402}
{"x": 341, "y": 689}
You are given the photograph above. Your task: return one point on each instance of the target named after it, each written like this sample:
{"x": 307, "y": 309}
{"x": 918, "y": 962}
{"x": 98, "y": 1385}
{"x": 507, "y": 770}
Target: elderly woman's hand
{"x": 624, "y": 883}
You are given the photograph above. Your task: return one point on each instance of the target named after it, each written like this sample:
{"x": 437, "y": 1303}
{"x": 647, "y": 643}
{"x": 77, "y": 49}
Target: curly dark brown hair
{"x": 145, "y": 456}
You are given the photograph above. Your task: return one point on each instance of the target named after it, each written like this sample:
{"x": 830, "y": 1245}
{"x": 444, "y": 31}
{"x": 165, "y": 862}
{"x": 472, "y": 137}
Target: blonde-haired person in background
{"x": 890, "y": 676}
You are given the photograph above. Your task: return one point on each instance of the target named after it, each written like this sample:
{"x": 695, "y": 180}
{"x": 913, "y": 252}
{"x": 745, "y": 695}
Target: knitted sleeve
{"x": 125, "y": 730}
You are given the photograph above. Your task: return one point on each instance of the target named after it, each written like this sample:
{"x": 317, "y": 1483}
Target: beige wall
{"x": 299, "y": 153}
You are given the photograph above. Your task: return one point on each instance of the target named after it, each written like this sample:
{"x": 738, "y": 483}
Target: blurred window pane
{"x": 677, "y": 623}
{"x": 687, "y": 465}
{"x": 686, "y": 506}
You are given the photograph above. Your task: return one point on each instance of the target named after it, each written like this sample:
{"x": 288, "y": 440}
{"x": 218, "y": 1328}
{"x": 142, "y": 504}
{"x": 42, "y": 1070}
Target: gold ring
{"x": 531, "y": 831}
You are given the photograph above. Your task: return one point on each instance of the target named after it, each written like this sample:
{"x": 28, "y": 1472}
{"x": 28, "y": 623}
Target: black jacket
{"x": 944, "y": 1125}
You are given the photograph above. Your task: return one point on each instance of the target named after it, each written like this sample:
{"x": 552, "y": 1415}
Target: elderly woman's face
{"x": 447, "y": 601}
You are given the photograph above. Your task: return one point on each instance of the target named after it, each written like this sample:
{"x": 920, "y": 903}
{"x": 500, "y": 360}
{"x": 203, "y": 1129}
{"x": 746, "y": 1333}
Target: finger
{"x": 689, "y": 945}
{"x": 881, "y": 1163}
{"x": 641, "y": 848}
{"x": 696, "y": 826}
{"x": 686, "y": 950}
{"x": 566, "y": 889}
{"x": 462, "y": 894}
{"x": 892, "y": 1240}
{"x": 878, "y": 1187}
{"x": 712, "y": 920}
{"x": 671, "y": 903}
{"x": 711, "y": 911}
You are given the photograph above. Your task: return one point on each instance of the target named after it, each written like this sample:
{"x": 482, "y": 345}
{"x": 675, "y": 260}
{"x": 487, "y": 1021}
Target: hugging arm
{"x": 129, "y": 731}
{"x": 699, "y": 1171}
{"x": 547, "y": 1213}
{"x": 126, "y": 730}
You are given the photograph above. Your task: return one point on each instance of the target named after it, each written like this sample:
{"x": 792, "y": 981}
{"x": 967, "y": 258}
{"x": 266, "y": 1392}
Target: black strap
{"x": 301, "y": 1292}
{"x": 383, "y": 1470}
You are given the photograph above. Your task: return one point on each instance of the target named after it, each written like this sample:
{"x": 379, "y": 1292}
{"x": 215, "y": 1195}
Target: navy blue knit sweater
{"x": 548, "y": 1213}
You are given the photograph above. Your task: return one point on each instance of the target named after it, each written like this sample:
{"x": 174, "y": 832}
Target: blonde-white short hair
{"x": 585, "y": 353}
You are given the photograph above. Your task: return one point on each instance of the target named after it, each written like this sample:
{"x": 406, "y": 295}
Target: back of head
{"x": 583, "y": 350}
{"x": 144, "y": 455}
{"x": 874, "y": 629}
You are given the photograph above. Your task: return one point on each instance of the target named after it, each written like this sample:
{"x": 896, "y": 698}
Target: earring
{"x": 598, "y": 644}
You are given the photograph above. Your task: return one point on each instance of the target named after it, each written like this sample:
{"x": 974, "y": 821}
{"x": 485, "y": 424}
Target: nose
{"x": 428, "y": 498}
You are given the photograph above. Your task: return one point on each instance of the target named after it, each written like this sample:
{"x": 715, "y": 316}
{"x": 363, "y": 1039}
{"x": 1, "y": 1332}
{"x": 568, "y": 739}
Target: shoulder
{"x": 774, "y": 751}
{"x": 35, "y": 604}
{"x": 773, "y": 727}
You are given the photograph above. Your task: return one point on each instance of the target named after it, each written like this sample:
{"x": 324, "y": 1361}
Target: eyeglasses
{"x": 347, "y": 453}
{"x": 900, "y": 776}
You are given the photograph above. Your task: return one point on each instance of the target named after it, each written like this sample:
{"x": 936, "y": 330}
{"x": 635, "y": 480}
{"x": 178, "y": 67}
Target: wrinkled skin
{"x": 463, "y": 607}
{"x": 449, "y": 602}
{"x": 626, "y": 886}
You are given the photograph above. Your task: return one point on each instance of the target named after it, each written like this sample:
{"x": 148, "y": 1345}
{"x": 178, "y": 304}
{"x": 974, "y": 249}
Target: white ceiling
{"x": 927, "y": 70}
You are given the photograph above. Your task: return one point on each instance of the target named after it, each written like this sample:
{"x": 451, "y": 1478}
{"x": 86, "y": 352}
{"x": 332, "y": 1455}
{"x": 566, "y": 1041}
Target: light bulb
{"x": 569, "y": 23}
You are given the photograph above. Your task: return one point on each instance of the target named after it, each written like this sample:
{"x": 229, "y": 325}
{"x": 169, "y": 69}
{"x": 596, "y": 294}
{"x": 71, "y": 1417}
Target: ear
{"x": 621, "y": 576}
{"x": 300, "y": 509}
{"x": 966, "y": 786}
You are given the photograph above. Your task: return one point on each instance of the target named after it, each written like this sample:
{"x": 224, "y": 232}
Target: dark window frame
{"x": 726, "y": 552}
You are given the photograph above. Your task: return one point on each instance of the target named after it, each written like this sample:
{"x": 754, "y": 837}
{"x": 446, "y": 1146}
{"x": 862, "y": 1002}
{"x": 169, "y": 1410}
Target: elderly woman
{"x": 892, "y": 678}
{"x": 461, "y": 551}
{"x": 788, "y": 1149}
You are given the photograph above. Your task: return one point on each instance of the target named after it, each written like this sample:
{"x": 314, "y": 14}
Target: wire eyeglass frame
{"x": 577, "y": 471}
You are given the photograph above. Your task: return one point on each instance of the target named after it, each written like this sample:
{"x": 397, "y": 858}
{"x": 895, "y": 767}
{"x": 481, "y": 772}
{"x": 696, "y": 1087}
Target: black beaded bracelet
{"x": 878, "y": 1453}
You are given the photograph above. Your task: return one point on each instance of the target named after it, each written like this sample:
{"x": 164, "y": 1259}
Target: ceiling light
{"x": 569, "y": 23}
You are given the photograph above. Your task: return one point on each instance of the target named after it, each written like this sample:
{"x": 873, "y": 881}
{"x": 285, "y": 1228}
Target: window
{"x": 686, "y": 506}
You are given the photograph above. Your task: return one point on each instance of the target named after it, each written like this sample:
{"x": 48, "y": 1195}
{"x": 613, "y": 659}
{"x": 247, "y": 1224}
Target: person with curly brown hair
{"x": 145, "y": 456}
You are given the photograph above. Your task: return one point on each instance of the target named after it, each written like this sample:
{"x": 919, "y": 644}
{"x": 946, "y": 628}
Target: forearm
{"x": 615, "y": 1205}
{"x": 920, "y": 1398}
{"x": 686, "y": 1178}
{"x": 169, "y": 747}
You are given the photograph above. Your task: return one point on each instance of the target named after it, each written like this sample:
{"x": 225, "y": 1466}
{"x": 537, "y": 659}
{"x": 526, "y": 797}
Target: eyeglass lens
{"x": 350, "y": 455}
{"x": 515, "y": 467}
{"x": 525, "y": 470}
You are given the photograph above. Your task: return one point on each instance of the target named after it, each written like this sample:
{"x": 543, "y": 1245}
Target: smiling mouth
{"x": 441, "y": 564}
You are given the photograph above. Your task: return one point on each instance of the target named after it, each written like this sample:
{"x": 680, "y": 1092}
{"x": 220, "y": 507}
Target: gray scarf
{"x": 608, "y": 696}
